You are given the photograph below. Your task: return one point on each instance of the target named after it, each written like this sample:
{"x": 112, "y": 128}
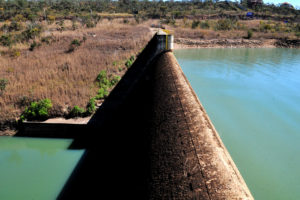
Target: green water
{"x": 253, "y": 98}
{"x": 32, "y": 168}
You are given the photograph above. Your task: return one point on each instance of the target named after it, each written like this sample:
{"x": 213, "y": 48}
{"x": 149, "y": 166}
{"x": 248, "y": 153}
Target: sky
{"x": 295, "y": 3}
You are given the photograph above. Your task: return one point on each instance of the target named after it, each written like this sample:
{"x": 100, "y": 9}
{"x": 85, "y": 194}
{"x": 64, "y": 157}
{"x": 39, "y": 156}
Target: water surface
{"x": 34, "y": 168}
{"x": 253, "y": 98}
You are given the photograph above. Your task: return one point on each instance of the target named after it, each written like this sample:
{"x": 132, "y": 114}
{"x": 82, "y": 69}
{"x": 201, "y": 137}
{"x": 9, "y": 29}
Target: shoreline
{"x": 185, "y": 43}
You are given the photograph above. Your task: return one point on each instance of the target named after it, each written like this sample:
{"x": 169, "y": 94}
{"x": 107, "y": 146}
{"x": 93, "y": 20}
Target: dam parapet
{"x": 151, "y": 139}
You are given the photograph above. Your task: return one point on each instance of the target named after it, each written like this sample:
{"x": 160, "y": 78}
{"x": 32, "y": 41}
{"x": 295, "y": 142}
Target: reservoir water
{"x": 34, "y": 168}
{"x": 253, "y": 99}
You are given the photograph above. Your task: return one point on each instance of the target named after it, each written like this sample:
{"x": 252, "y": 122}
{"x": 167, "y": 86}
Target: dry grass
{"x": 278, "y": 30}
{"x": 67, "y": 78}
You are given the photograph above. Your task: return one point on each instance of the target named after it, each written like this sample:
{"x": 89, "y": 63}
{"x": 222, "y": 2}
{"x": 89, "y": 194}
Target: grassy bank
{"x": 64, "y": 68}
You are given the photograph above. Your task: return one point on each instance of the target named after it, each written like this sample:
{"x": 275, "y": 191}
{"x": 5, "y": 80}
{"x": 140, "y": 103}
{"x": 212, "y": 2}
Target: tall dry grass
{"x": 67, "y": 78}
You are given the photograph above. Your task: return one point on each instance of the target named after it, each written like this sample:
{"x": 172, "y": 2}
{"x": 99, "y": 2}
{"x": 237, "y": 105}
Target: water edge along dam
{"x": 150, "y": 139}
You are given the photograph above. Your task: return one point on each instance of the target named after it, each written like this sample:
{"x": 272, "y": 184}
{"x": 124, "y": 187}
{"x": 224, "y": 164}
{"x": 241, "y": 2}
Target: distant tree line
{"x": 23, "y": 10}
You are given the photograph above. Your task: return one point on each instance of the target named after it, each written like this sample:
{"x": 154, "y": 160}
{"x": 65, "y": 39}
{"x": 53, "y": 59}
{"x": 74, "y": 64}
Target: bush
{"x": 31, "y": 32}
{"x": 132, "y": 58}
{"x": 91, "y": 106}
{"x": 225, "y": 24}
{"x": 102, "y": 79}
{"x": 195, "y": 24}
{"x": 6, "y": 40}
{"x": 47, "y": 39}
{"x": 51, "y": 19}
{"x": 3, "y": 83}
{"x": 115, "y": 80}
{"x": 125, "y": 21}
{"x": 34, "y": 45}
{"x": 249, "y": 34}
{"x": 204, "y": 25}
{"x": 102, "y": 93}
{"x": 76, "y": 112}
{"x": 129, "y": 62}
{"x": 14, "y": 26}
{"x": 37, "y": 110}
{"x": 14, "y": 53}
{"x": 76, "y": 42}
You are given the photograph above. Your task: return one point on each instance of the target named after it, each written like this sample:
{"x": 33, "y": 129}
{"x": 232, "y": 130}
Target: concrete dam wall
{"x": 151, "y": 139}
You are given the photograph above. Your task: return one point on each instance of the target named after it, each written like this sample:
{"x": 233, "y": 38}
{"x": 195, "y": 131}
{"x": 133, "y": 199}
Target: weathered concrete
{"x": 190, "y": 160}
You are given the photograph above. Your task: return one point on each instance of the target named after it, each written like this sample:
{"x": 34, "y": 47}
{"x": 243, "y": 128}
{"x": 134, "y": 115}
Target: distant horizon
{"x": 295, "y": 3}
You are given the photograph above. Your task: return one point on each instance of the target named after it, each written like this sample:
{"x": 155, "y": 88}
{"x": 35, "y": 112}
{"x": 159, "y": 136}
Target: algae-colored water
{"x": 32, "y": 168}
{"x": 253, "y": 98}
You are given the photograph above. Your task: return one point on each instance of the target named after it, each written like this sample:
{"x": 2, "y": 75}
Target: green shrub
{"x": 102, "y": 75}
{"x": 225, "y": 24}
{"x": 6, "y": 40}
{"x": 103, "y": 80}
{"x": 249, "y": 34}
{"x": 130, "y": 61}
{"x": 195, "y": 24}
{"x": 15, "y": 26}
{"x": 89, "y": 22}
{"x": 115, "y": 80}
{"x": 31, "y": 32}
{"x": 204, "y": 25}
{"x": 76, "y": 42}
{"x": 132, "y": 58}
{"x": 102, "y": 93}
{"x": 3, "y": 83}
{"x": 71, "y": 49}
{"x": 91, "y": 106}
{"x": 76, "y": 112}
{"x": 125, "y": 21}
{"x": 34, "y": 45}
{"x": 47, "y": 39}
{"x": 37, "y": 110}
